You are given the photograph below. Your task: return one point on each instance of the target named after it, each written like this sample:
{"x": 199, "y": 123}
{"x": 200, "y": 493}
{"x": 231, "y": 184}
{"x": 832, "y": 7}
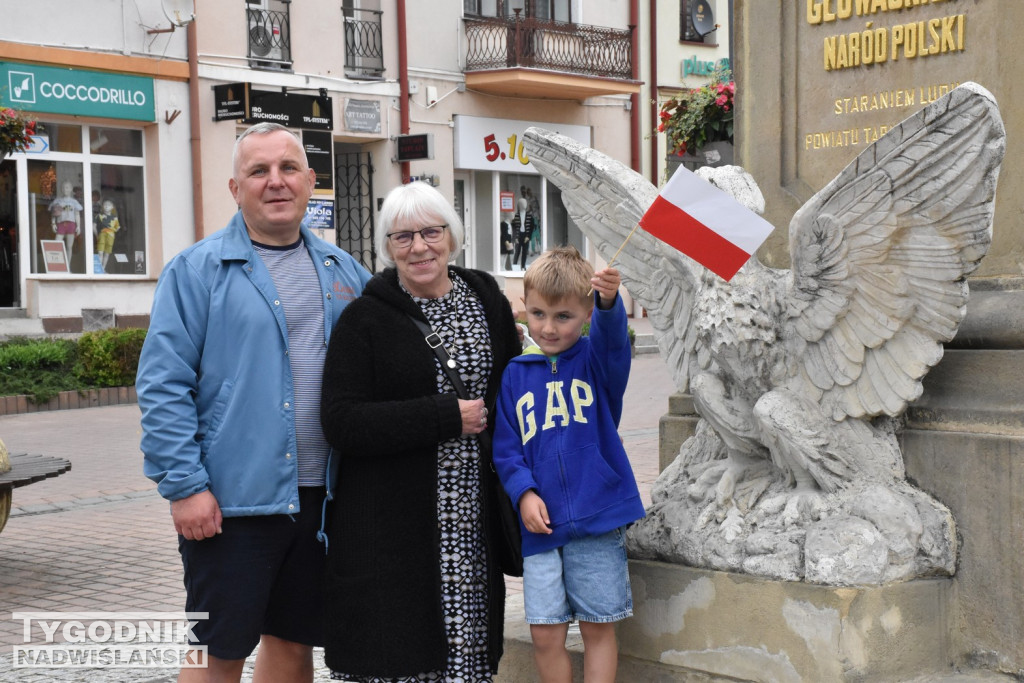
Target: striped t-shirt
{"x": 294, "y": 275}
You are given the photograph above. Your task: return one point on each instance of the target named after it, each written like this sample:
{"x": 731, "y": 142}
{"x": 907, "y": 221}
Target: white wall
{"x": 115, "y": 26}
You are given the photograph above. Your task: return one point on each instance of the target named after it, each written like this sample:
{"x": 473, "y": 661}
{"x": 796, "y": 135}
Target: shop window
{"x": 118, "y": 219}
{"x": 525, "y": 219}
{"x": 87, "y": 210}
{"x": 57, "y": 216}
{"x": 115, "y": 141}
{"x": 60, "y": 137}
{"x": 528, "y": 219}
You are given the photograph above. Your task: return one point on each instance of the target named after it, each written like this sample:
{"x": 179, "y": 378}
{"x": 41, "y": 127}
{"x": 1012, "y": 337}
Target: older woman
{"x": 414, "y": 591}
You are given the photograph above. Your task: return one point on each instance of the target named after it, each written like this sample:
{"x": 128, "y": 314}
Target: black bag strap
{"x": 447, "y": 364}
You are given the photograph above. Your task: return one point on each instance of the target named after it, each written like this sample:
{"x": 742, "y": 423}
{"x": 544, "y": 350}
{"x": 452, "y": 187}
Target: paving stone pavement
{"x": 99, "y": 538}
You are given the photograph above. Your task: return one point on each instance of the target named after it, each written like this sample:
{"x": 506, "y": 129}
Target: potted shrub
{"x": 16, "y": 132}
{"x": 698, "y": 123}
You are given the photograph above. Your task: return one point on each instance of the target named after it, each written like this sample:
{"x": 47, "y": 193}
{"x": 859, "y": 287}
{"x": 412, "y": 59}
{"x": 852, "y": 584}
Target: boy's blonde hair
{"x": 559, "y": 273}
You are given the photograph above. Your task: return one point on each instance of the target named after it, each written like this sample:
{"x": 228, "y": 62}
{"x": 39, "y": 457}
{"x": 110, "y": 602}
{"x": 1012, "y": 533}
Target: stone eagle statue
{"x": 800, "y": 376}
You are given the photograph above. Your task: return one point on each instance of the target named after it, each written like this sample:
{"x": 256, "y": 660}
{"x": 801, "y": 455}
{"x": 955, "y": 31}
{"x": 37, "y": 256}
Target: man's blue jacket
{"x": 214, "y": 380}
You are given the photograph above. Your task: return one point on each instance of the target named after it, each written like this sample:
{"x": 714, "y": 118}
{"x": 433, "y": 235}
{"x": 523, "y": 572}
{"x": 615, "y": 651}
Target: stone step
{"x": 644, "y": 343}
{"x": 21, "y": 327}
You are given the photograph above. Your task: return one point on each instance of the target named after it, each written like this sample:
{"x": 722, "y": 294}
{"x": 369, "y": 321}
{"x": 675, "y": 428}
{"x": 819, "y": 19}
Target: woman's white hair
{"x": 417, "y": 205}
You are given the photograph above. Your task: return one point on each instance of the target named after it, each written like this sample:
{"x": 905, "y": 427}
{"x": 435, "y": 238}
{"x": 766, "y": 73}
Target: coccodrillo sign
{"x": 76, "y": 91}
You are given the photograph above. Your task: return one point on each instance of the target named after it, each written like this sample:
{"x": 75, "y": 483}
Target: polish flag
{"x": 705, "y": 223}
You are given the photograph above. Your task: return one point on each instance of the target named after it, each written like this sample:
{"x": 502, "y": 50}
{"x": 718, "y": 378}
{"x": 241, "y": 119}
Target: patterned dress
{"x": 458, "y": 318}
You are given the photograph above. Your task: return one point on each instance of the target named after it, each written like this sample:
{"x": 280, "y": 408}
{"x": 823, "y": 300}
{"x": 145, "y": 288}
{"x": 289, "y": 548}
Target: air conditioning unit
{"x": 264, "y": 33}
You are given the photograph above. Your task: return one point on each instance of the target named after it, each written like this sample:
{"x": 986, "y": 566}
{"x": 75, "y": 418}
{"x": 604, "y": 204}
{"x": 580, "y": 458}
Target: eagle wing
{"x": 881, "y": 255}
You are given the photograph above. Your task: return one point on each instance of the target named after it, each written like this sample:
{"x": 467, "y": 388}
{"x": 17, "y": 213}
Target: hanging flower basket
{"x": 699, "y": 116}
{"x": 16, "y": 132}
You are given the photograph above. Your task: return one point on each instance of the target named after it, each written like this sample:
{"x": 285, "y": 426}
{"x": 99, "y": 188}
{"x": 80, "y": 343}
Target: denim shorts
{"x": 587, "y": 579}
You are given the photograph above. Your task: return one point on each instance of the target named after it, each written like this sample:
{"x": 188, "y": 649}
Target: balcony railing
{"x": 500, "y": 43}
{"x": 364, "y": 46}
{"x": 270, "y": 43}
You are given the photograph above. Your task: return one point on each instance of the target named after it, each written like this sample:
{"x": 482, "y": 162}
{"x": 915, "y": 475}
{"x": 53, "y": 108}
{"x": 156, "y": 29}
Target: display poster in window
{"x": 318, "y": 146}
{"x": 507, "y": 201}
{"x": 54, "y": 257}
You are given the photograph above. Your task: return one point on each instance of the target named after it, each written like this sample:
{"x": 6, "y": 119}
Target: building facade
{"x": 102, "y": 87}
{"x": 685, "y": 42}
{"x": 138, "y": 124}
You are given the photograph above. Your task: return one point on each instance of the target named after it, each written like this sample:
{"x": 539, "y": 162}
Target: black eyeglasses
{"x": 430, "y": 234}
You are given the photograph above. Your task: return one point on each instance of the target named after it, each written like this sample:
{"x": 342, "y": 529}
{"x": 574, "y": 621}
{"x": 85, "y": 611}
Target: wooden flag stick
{"x": 623, "y": 244}
{"x": 617, "y": 252}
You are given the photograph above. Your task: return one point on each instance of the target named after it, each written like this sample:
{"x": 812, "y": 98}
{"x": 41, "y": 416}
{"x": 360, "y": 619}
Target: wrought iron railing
{"x": 364, "y": 44}
{"x": 270, "y": 43}
{"x": 499, "y": 43}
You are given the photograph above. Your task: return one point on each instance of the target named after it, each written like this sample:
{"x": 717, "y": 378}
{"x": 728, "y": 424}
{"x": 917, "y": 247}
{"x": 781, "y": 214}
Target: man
{"x": 229, "y": 388}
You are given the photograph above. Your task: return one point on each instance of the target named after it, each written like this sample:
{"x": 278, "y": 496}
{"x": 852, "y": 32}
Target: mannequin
{"x": 534, "y": 208}
{"x": 66, "y": 213}
{"x": 107, "y": 226}
{"x": 523, "y": 225}
{"x": 505, "y": 244}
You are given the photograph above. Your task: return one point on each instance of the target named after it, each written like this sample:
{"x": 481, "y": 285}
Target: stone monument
{"x": 795, "y": 471}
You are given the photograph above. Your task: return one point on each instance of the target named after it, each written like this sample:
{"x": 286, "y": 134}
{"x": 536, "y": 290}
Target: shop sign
{"x": 318, "y": 145}
{"x": 293, "y": 110}
{"x": 362, "y": 116}
{"x": 693, "y": 66}
{"x": 320, "y": 214}
{"x": 415, "y": 147}
{"x": 486, "y": 144}
{"x": 40, "y": 144}
{"x": 78, "y": 92}
{"x": 230, "y": 99}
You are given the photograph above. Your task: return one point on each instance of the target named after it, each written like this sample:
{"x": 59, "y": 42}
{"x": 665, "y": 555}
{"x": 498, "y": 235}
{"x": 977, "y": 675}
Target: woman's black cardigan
{"x": 384, "y": 418}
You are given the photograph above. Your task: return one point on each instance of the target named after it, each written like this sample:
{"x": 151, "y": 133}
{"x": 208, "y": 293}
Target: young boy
{"x": 559, "y": 456}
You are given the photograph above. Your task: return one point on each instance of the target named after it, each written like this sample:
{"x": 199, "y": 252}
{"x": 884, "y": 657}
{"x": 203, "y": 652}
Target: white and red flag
{"x": 705, "y": 223}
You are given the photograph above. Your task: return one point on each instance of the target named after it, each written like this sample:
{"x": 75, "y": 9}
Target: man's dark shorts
{"x": 261, "y": 575}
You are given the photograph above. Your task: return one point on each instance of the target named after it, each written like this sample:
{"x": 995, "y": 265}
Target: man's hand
{"x": 606, "y": 283}
{"x": 534, "y": 513}
{"x": 197, "y": 517}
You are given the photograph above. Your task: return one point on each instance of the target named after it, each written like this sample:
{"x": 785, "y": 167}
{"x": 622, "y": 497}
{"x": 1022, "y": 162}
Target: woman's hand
{"x": 474, "y": 416}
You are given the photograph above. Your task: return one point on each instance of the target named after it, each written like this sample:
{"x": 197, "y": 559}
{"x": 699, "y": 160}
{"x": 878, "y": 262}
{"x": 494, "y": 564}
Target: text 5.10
{"x": 493, "y": 151}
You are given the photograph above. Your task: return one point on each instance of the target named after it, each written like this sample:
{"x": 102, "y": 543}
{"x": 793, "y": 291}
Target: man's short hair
{"x": 559, "y": 273}
{"x": 262, "y": 128}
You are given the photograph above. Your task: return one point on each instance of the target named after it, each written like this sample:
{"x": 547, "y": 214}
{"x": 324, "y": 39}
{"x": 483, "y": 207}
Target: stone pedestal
{"x": 740, "y": 627}
{"x": 675, "y": 427}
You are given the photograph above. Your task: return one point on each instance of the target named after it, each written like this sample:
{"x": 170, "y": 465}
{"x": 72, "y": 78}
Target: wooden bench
{"x": 26, "y": 469}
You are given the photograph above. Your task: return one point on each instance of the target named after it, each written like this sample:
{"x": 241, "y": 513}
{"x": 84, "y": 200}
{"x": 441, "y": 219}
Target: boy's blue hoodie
{"x": 556, "y": 432}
